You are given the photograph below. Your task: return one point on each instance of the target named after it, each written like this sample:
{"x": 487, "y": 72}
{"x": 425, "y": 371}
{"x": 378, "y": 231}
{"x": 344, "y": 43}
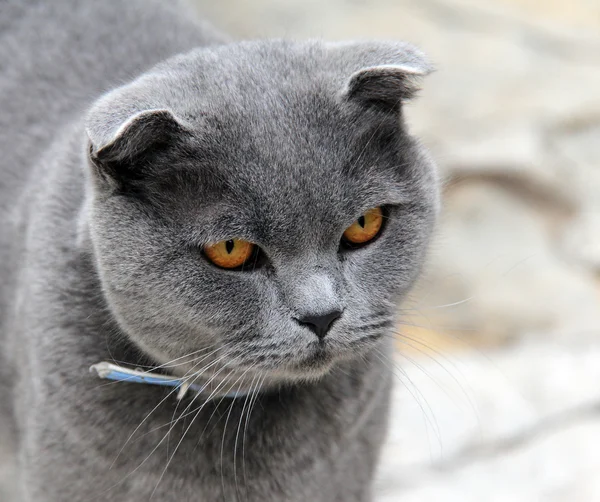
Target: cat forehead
{"x": 293, "y": 149}
{"x": 290, "y": 192}
{"x": 299, "y": 151}
{"x": 286, "y": 177}
{"x": 292, "y": 179}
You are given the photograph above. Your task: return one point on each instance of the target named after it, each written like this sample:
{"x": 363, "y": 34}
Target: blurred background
{"x": 498, "y": 364}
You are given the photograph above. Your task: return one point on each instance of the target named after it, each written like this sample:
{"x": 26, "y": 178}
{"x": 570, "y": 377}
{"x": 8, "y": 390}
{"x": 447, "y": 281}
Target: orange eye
{"x": 366, "y": 227}
{"x": 231, "y": 253}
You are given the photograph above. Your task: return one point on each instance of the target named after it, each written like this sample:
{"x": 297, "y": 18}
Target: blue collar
{"x": 110, "y": 371}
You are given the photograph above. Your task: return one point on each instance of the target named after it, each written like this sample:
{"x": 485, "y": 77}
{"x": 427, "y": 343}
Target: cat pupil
{"x": 361, "y": 221}
{"x": 229, "y": 245}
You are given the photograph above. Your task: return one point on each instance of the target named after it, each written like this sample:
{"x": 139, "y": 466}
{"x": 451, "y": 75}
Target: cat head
{"x": 260, "y": 207}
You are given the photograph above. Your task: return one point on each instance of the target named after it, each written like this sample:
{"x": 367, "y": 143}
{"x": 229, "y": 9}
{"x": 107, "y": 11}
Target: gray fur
{"x": 106, "y": 199}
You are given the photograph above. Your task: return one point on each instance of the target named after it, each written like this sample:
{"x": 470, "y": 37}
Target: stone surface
{"x": 559, "y": 467}
{"x": 576, "y": 158}
{"x": 496, "y": 264}
{"x": 509, "y": 425}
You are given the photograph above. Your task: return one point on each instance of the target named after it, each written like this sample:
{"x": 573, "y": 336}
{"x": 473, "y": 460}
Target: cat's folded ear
{"x": 124, "y": 134}
{"x": 381, "y": 74}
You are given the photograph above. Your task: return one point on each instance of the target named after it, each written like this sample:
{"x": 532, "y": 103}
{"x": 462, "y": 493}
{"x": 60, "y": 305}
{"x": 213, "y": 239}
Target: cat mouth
{"x": 320, "y": 356}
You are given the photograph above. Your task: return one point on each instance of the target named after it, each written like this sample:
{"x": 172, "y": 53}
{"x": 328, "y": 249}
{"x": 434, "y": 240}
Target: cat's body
{"x": 62, "y": 307}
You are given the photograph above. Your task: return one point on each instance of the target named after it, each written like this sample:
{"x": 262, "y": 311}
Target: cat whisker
{"x": 238, "y": 433}
{"x": 417, "y": 395}
{"x": 442, "y": 387}
{"x": 253, "y": 399}
{"x": 213, "y": 413}
{"x": 168, "y": 364}
{"x": 141, "y": 436}
{"x": 437, "y": 327}
{"x": 185, "y": 414}
{"x": 208, "y": 399}
{"x": 115, "y": 485}
{"x": 175, "y": 389}
{"x": 447, "y": 305}
{"x": 150, "y": 454}
{"x": 225, "y": 430}
{"x": 180, "y": 395}
{"x": 401, "y": 337}
{"x": 245, "y": 408}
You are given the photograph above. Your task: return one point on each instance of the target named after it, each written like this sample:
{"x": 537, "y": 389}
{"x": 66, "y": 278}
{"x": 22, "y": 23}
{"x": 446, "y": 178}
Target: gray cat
{"x": 242, "y": 216}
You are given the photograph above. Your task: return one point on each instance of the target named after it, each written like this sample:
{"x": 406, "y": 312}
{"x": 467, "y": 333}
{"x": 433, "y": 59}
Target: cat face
{"x": 222, "y": 184}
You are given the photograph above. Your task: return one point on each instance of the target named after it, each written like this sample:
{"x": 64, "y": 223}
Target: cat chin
{"x": 318, "y": 362}
{"x": 310, "y": 369}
